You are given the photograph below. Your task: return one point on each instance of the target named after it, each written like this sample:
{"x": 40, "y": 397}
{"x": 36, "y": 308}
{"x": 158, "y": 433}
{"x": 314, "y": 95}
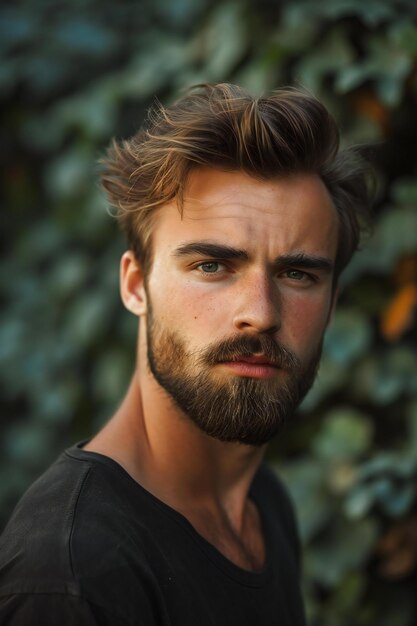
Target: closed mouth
{"x": 254, "y": 360}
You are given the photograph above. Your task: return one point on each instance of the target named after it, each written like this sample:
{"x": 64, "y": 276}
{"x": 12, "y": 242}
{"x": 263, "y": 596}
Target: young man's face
{"x": 238, "y": 297}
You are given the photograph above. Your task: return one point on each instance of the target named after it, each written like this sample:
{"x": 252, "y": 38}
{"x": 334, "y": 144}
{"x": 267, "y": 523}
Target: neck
{"x": 173, "y": 459}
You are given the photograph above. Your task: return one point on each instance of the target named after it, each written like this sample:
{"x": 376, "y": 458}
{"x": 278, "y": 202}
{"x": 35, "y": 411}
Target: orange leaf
{"x": 367, "y": 104}
{"x": 398, "y": 549}
{"x": 398, "y": 316}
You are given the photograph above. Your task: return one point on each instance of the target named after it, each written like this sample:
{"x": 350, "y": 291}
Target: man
{"x": 240, "y": 215}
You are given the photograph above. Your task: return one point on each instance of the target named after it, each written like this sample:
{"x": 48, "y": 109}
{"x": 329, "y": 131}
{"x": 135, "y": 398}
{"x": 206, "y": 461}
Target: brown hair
{"x": 287, "y": 132}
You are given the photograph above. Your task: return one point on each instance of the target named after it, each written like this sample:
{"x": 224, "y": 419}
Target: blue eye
{"x": 209, "y": 267}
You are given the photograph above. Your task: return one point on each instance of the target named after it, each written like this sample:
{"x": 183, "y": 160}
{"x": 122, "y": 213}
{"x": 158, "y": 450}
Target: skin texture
{"x": 279, "y": 285}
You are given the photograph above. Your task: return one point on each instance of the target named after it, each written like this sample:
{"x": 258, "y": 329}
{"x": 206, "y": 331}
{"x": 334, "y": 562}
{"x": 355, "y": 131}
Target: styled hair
{"x": 223, "y": 126}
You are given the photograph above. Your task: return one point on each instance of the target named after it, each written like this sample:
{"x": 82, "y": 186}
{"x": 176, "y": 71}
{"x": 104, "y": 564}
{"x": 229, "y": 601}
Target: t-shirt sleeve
{"x": 55, "y": 609}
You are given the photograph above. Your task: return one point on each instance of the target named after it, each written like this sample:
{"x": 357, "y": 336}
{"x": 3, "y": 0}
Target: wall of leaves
{"x": 72, "y": 75}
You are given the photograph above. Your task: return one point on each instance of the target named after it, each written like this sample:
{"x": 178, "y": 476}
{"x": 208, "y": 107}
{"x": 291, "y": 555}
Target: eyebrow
{"x": 215, "y": 251}
{"x": 223, "y": 252}
{"x": 305, "y": 261}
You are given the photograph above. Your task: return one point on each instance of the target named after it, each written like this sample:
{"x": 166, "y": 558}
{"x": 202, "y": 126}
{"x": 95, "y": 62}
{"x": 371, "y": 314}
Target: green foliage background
{"x": 72, "y": 75}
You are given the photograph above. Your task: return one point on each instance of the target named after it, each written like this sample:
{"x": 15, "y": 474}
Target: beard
{"x": 232, "y": 408}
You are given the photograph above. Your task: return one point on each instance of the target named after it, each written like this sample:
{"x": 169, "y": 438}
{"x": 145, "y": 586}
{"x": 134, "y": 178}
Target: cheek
{"x": 304, "y": 322}
{"x": 186, "y": 307}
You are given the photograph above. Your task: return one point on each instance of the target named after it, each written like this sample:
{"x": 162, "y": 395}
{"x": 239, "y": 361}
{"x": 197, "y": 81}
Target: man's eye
{"x": 296, "y": 274}
{"x": 209, "y": 267}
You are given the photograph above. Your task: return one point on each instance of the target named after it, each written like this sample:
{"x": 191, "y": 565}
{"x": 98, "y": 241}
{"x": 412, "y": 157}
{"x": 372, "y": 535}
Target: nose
{"x": 257, "y": 306}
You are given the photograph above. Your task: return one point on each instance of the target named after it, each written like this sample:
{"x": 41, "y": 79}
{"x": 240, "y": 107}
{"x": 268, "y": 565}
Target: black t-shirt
{"x": 87, "y": 545}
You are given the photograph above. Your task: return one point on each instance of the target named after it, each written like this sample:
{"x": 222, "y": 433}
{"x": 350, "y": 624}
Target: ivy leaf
{"x": 305, "y": 480}
{"x": 348, "y": 336}
{"x": 342, "y": 549}
{"x": 345, "y": 434}
{"x": 220, "y": 50}
{"x": 84, "y": 37}
{"x": 332, "y": 54}
{"x": 331, "y": 376}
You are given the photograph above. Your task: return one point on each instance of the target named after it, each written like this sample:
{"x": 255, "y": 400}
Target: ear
{"x": 132, "y": 286}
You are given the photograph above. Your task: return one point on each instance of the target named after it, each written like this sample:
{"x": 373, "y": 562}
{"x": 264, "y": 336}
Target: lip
{"x": 257, "y": 360}
{"x": 252, "y": 367}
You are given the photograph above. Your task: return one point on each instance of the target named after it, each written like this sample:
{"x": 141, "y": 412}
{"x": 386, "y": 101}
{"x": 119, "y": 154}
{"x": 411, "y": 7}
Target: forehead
{"x": 263, "y": 216}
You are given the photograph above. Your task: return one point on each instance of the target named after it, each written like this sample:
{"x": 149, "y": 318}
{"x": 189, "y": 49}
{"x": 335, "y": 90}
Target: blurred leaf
{"x": 55, "y": 405}
{"x": 383, "y": 378}
{"x": 387, "y": 481}
{"x": 331, "y": 376}
{"x": 260, "y": 72}
{"x": 9, "y": 76}
{"x": 341, "y": 474}
{"x": 16, "y": 27}
{"x": 12, "y": 332}
{"x": 46, "y": 74}
{"x": 112, "y": 375}
{"x": 42, "y": 132}
{"x": 345, "y": 434}
{"x": 347, "y": 596}
{"x": 412, "y": 426}
{"x": 68, "y": 274}
{"x": 398, "y": 549}
{"x": 390, "y": 464}
{"x": 398, "y": 501}
{"x": 404, "y": 191}
{"x": 348, "y": 336}
{"x": 372, "y": 13}
{"x": 25, "y": 444}
{"x": 342, "y": 549}
{"x": 368, "y": 106}
{"x": 295, "y": 32}
{"x": 385, "y": 64}
{"x": 88, "y": 317}
{"x": 151, "y": 68}
{"x": 305, "y": 480}
{"x": 352, "y": 76}
{"x": 37, "y": 244}
{"x": 404, "y": 36}
{"x": 398, "y": 316}
{"x": 93, "y": 112}
{"x": 394, "y": 499}
{"x": 221, "y": 50}
{"x": 84, "y": 37}
{"x": 70, "y": 174}
{"x": 359, "y": 502}
{"x": 182, "y": 12}
{"x": 395, "y": 236}
{"x": 333, "y": 53}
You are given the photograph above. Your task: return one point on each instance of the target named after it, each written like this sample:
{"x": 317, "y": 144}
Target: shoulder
{"x": 36, "y": 537}
{"x": 67, "y": 543}
{"x": 49, "y": 609}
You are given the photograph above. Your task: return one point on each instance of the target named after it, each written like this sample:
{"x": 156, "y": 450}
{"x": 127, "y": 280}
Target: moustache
{"x": 245, "y": 346}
